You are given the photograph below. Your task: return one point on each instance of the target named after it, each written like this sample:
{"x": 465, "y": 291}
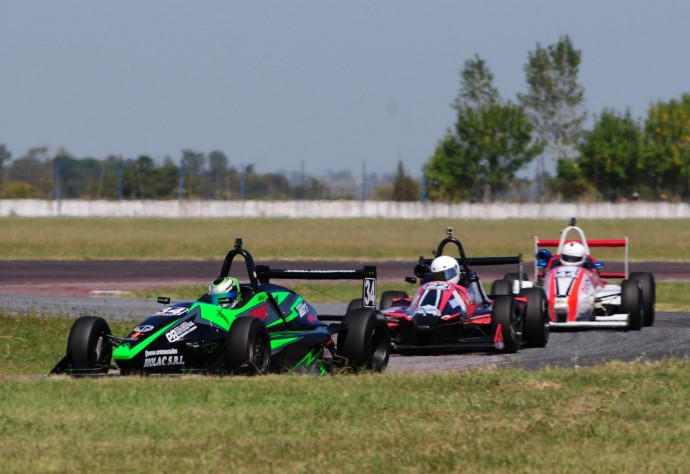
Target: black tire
{"x": 631, "y": 303}
{"x": 88, "y": 344}
{"x": 365, "y": 344}
{"x": 502, "y": 287}
{"x": 536, "y": 323}
{"x": 648, "y": 287}
{"x": 511, "y": 277}
{"x": 387, "y": 298}
{"x": 354, "y": 304}
{"x": 248, "y": 347}
{"x": 507, "y": 314}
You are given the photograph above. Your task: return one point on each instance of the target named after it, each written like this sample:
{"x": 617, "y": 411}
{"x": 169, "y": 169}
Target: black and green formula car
{"x": 269, "y": 329}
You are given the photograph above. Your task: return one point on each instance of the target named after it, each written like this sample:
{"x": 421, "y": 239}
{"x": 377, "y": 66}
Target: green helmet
{"x": 224, "y": 291}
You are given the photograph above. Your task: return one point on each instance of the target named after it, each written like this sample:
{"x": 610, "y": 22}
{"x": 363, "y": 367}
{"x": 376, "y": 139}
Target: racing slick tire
{"x": 502, "y": 287}
{"x": 354, "y": 304}
{"x": 248, "y": 347}
{"x": 387, "y": 298}
{"x": 648, "y": 287}
{"x": 536, "y": 324}
{"x": 506, "y": 314}
{"x": 87, "y": 342}
{"x": 366, "y": 341}
{"x": 631, "y": 303}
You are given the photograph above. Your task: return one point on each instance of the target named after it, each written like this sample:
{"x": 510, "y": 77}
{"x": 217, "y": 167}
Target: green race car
{"x": 255, "y": 327}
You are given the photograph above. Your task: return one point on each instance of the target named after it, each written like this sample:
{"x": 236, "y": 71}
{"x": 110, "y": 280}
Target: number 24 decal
{"x": 172, "y": 311}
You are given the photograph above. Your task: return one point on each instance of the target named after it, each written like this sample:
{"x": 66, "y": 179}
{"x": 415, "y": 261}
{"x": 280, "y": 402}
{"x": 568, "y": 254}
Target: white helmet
{"x": 573, "y": 253}
{"x": 445, "y": 268}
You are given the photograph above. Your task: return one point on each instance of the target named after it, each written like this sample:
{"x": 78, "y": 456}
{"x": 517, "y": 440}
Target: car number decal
{"x": 369, "y": 293}
{"x": 172, "y": 311}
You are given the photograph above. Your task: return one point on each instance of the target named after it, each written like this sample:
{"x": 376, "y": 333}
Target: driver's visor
{"x": 572, "y": 258}
{"x": 445, "y": 275}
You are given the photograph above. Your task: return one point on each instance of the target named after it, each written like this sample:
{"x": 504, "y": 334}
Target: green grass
{"x": 615, "y": 418}
{"x": 364, "y": 239}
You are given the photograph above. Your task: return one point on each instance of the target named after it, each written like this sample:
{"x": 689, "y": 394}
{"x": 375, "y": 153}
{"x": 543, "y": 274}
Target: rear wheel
{"x": 387, "y": 298}
{"x": 248, "y": 347}
{"x": 536, "y": 325}
{"x": 502, "y": 287}
{"x": 648, "y": 287}
{"x": 631, "y": 303}
{"x": 88, "y": 344}
{"x": 506, "y": 316}
{"x": 365, "y": 344}
{"x": 354, "y": 304}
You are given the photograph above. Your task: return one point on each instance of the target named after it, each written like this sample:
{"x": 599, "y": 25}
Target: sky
{"x": 318, "y": 85}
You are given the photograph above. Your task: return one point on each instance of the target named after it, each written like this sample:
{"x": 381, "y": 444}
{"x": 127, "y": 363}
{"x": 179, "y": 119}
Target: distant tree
{"x": 405, "y": 188}
{"x": 666, "y": 160}
{"x": 491, "y": 141}
{"x": 572, "y": 183}
{"x": 476, "y": 86}
{"x": 611, "y": 154}
{"x": 34, "y": 169}
{"x": 79, "y": 177}
{"x": 218, "y": 182}
{"x": 5, "y": 157}
{"x": 554, "y": 98}
{"x": 193, "y": 164}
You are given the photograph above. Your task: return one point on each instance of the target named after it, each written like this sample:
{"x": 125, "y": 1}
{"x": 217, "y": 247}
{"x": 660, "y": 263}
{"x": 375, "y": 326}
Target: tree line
{"x": 478, "y": 159}
{"x": 492, "y": 139}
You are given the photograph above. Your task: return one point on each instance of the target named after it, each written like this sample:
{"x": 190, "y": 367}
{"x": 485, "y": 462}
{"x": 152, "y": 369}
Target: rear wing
{"x": 610, "y": 243}
{"x": 367, "y": 274}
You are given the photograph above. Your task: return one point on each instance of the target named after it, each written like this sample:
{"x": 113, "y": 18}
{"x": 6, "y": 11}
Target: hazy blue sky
{"x": 331, "y": 84}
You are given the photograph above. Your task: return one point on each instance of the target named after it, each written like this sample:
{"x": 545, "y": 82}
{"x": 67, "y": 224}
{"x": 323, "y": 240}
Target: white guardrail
{"x": 340, "y": 209}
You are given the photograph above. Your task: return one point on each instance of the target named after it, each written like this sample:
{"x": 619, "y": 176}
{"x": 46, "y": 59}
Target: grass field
{"x": 365, "y": 239}
{"x": 620, "y": 417}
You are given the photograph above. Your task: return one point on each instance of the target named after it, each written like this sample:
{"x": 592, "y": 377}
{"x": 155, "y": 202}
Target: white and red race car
{"x": 580, "y": 296}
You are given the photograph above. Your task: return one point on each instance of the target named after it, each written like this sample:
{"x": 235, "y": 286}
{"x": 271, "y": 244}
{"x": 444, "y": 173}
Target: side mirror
{"x": 421, "y": 269}
{"x": 543, "y": 257}
{"x": 412, "y": 280}
{"x": 163, "y": 300}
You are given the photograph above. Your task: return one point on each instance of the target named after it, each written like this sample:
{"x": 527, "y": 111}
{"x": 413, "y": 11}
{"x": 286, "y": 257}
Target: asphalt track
{"x": 87, "y": 287}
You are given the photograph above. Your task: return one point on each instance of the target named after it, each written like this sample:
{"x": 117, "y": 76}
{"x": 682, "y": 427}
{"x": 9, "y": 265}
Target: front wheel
{"x": 506, "y": 323}
{"x": 648, "y": 287}
{"x": 537, "y": 328}
{"x": 631, "y": 303}
{"x": 248, "y": 347}
{"x": 387, "y": 298}
{"x": 365, "y": 343}
{"x": 88, "y": 344}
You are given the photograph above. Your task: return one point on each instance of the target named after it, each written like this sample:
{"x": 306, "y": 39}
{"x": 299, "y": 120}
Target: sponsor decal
{"x": 162, "y": 361}
{"x": 260, "y": 313}
{"x": 311, "y": 318}
{"x": 180, "y": 331}
{"x": 172, "y": 311}
{"x": 302, "y": 309}
{"x": 160, "y": 352}
{"x": 144, "y": 328}
{"x": 438, "y": 286}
